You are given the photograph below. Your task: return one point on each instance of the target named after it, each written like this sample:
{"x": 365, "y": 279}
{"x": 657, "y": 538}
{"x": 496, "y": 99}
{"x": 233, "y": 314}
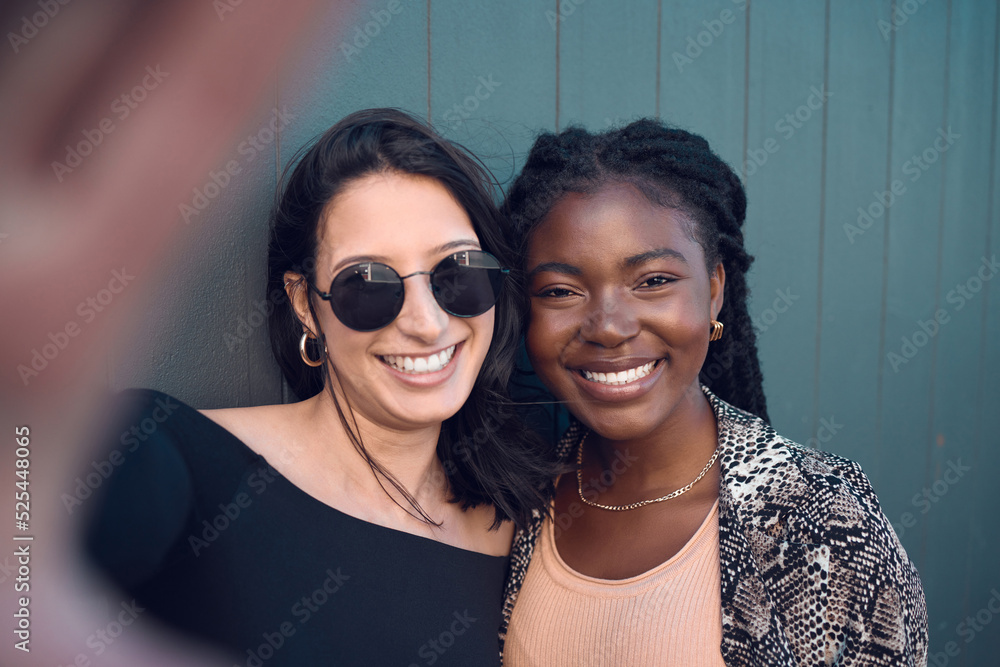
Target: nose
{"x": 421, "y": 317}
{"x": 609, "y": 322}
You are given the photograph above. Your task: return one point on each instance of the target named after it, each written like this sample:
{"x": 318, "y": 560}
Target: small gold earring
{"x": 305, "y": 355}
{"x": 716, "y": 332}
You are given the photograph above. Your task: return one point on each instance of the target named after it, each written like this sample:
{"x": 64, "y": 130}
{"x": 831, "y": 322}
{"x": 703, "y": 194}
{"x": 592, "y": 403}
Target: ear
{"x": 298, "y": 293}
{"x": 717, "y": 284}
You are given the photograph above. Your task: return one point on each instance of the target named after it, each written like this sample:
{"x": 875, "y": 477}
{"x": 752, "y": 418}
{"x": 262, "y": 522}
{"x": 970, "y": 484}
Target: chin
{"x": 619, "y": 429}
{"x": 617, "y": 424}
{"x": 427, "y": 412}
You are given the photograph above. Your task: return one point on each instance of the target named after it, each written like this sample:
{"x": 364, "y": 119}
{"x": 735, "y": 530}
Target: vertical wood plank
{"x": 963, "y": 230}
{"x": 702, "y": 72}
{"x": 982, "y": 580}
{"x": 856, "y": 173}
{"x": 376, "y": 56}
{"x": 911, "y": 229}
{"x": 607, "y": 61}
{"x": 493, "y": 78}
{"x": 784, "y": 160}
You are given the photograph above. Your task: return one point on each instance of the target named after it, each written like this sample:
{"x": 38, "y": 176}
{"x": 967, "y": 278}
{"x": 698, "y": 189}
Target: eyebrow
{"x": 382, "y": 259}
{"x": 628, "y": 262}
{"x": 460, "y": 243}
{"x": 556, "y": 267}
{"x": 659, "y": 253}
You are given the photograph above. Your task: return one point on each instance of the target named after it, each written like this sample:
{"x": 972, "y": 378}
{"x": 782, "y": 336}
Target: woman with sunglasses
{"x": 371, "y": 521}
{"x": 690, "y": 533}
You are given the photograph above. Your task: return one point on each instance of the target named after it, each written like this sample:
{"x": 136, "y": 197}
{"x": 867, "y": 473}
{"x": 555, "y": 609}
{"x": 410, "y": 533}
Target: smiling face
{"x": 621, "y": 302}
{"x": 419, "y": 369}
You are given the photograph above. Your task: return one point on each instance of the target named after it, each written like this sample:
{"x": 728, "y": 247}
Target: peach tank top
{"x": 670, "y": 615}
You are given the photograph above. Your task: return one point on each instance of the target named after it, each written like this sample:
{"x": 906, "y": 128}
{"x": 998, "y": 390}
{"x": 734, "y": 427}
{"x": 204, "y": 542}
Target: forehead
{"x": 617, "y": 220}
{"x": 401, "y": 217}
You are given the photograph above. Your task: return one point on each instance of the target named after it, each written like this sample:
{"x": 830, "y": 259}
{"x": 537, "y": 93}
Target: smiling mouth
{"x": 419, "y": 365}
{"x": 621, "y": 377}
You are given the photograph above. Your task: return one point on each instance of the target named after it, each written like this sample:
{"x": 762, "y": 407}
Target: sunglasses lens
{"x": 366, "y": 296}
{"x": 467, "y": 283}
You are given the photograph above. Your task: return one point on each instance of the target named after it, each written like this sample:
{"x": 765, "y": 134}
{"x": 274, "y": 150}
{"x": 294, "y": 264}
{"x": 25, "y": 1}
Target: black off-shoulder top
{"x": 207, "y": 536}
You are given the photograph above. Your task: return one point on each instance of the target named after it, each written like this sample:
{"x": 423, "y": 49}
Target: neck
{"x": 410, "y": 456}
{"x": 664, "y": 459}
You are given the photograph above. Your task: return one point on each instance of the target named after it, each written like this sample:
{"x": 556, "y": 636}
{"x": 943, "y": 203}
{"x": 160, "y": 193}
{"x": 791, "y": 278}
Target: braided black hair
{"x": 672, "y": 168}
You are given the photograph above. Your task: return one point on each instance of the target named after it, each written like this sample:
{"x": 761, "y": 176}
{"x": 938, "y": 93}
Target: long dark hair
{"x": 672, "y": 168}
{"x": 487, "y": 453}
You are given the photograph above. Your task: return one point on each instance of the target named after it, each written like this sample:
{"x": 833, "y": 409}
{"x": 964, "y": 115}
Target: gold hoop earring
{"x": 716, "y": 332}
{"x": 305, "y": 355}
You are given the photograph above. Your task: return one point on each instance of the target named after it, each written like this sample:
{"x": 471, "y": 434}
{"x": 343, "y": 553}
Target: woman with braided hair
{"x": 690, "y": 533}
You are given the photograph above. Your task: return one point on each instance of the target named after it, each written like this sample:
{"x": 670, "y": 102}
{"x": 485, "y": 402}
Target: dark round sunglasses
{"x": 369, "y": 296}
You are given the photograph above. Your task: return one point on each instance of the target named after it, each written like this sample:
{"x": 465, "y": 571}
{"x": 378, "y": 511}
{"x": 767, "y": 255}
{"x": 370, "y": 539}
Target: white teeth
{"x": 621, "y": 377}
{"x": 418, "y": 365}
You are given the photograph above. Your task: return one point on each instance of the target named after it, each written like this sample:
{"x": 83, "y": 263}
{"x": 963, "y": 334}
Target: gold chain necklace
{"x": 641, "y": 503}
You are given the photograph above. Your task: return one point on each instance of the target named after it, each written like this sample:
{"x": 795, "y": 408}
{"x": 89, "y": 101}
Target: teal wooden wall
{"x": 878, "y": 337}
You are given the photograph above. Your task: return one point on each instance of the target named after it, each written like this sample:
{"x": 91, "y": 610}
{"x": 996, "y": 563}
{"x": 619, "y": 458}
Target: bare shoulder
{"x": 259, "y": 427}
{"x": 492, "y": 542}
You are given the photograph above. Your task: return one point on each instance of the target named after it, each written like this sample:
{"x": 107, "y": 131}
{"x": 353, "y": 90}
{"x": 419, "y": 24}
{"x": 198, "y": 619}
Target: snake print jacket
{"x": 812, "y": 571}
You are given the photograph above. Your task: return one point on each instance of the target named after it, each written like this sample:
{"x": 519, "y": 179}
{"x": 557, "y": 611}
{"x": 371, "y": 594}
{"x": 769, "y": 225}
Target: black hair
{"x": 672, "y": 168}
{"x": 488, "y": 455}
